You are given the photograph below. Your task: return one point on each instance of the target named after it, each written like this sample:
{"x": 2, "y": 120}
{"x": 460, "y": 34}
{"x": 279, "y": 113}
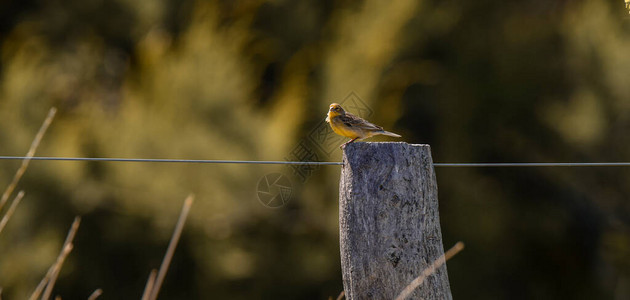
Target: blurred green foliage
{"x": 481, "y": 81}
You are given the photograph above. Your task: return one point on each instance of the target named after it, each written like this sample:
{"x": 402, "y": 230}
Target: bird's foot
{"x": 346, "y": 143}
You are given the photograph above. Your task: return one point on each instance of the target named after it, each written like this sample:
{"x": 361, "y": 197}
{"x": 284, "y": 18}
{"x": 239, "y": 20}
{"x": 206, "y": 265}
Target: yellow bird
{"x": 351, "y": 126}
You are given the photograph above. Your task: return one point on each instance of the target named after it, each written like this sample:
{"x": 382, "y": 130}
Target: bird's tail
{"x": 389, "y": 133}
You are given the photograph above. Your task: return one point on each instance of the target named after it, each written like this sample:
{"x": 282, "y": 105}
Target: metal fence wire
{"x": 332, "y": 163}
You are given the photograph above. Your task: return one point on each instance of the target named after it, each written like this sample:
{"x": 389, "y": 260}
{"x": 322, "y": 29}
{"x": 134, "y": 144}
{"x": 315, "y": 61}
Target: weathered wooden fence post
{"x": 389, "y": 222}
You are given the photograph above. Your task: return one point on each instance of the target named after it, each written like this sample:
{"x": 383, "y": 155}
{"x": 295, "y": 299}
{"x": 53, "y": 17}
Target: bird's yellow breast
{"x": 342, "y": 129}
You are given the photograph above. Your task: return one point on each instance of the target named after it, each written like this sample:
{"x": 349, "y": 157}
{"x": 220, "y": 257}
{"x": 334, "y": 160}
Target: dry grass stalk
{"x": 29, "y": 154}
{"x": 53, "y": 278}
{"x": 11, "y": 210}
{"x": 171, "y": 247}
{"x": 49, "y": 279}
{"x": 95, "y": 294}
{"x": 149, "y": 287}
{"x": 341, "y": 295}
{"x": 430, "y": 270}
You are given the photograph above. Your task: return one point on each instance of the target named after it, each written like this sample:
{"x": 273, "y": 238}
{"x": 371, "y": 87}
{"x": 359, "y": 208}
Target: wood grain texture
{"x": 389, "y": 221}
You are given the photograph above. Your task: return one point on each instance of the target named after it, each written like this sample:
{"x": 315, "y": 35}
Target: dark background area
{"x": 480, "y": 81}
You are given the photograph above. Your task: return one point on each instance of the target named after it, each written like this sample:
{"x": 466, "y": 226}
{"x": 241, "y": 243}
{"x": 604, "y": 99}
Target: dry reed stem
{"x": 430, "y": 270}
{"x": 53, "y": 277}
{"x": 171, "y": 246}
{"x": 95, "y": 294}
{"x": 341, "y": 295}
{"x": 149, "y": 287}
{"x": 29, "y": 154}
{"x": 49, "y": 279}
{"x": 11, "y": 210}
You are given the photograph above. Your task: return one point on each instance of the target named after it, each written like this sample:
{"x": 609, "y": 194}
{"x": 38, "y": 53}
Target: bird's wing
{"x": 351, "y": 120}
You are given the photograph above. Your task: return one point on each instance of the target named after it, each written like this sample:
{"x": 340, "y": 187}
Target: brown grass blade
{"x": 49, "y": 279}
{"x": 459, "y": 246}
{"x": 95, "y": 294}
{"x": 11, "y": 210}
{"x": 171, "y": 246}
{"x": 30, "y": 153}
{"x": 149, "y": 287}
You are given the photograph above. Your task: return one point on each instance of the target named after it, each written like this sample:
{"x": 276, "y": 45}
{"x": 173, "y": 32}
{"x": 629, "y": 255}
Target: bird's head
{"x": 335, "y": 110}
